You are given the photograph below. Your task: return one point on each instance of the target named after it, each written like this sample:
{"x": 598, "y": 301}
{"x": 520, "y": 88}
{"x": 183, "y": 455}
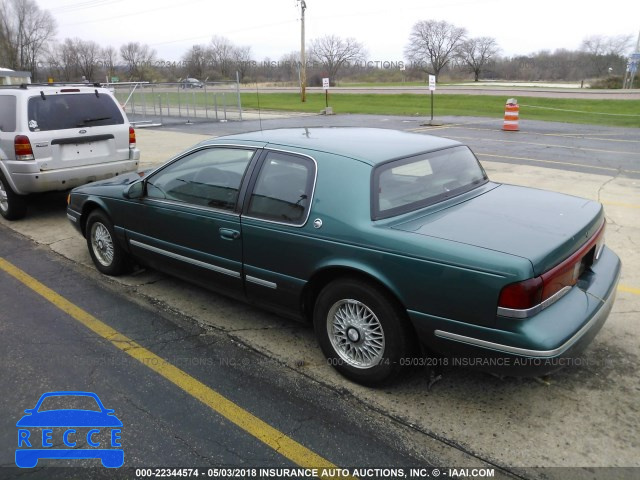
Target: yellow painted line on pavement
{"x": 555, "y": 162}
{"x": 278, "y": 441}
{"x": 626, "y": 289}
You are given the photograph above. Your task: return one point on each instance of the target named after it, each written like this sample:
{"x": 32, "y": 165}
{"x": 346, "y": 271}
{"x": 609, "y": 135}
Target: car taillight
{"x": 526, "y": 298}
{"x": 22, "y": 148}
{"x": 132, "y": 138}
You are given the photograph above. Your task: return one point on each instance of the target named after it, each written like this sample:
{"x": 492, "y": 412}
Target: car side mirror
{"x": 134, "y": 190}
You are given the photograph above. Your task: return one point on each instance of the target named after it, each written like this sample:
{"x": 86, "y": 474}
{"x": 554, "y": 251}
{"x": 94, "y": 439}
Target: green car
{"x": 397, "y": 246}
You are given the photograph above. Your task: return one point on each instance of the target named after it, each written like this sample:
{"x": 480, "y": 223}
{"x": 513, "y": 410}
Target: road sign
{"x": 432, "y": 82}
{"x": 325, "y": 83}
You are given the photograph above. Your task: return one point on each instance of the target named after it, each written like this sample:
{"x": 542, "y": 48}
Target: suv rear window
{"x": 58, "y": 112}
{"x": 7, "y": 113}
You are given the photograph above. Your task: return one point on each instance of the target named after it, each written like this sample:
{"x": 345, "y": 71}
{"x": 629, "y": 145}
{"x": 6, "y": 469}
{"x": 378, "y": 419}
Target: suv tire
{"x": 12, "y": 205}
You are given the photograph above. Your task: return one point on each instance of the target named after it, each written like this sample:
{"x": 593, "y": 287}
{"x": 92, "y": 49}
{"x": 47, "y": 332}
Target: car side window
{"x": 283, "y": 189}
{"x": 209, "y": 177}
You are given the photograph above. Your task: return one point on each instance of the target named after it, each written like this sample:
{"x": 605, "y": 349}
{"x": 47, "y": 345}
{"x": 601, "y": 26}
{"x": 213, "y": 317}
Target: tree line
{"x": 28, "y": 42}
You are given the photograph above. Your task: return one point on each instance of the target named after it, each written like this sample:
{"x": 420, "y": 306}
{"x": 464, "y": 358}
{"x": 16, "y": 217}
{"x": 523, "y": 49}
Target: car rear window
{"x": 7, "y": 113}
{"x": 411, "y": 183}
{"x": 62, "y": 111}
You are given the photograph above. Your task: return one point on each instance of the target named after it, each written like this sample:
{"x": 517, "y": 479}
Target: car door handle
{"x": 229, "y": 234}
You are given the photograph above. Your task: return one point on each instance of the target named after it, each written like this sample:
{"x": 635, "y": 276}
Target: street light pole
{"x": 303, "y": 62}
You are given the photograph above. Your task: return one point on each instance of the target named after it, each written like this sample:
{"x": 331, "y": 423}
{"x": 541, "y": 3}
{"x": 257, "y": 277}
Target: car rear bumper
{"x": 537, "y": 345}
{"x": 67, "y": 178}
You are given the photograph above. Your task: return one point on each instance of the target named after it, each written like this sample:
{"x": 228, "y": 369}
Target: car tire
{"x": 107, "y": 255}
{"x": 362, "y": 331}
{"x": 12, "y": 205}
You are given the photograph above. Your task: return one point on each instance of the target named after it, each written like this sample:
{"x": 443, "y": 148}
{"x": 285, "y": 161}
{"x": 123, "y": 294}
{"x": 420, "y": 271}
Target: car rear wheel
{"x": 12, "y": 205}
{"x": 363, "y": 332}
{"x": 107, "y": 255}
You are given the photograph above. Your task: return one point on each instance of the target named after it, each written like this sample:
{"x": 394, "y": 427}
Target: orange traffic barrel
{"x": 511, "y": 115}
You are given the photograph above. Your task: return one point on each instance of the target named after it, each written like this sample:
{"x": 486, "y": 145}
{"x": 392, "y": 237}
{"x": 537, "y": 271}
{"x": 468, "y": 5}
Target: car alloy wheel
{"x": 102, "y": 244}
{"x": 363, "y": 331}
{"x": 107, "y": 255}
{"x": 355, "y": 333}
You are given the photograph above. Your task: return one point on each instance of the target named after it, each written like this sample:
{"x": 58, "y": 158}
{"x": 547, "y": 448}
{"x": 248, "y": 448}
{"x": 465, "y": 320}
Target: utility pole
{"x": 303, "y": 61}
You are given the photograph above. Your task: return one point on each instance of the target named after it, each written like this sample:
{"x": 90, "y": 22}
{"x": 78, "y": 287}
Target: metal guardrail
{"x": 153, "y": 104}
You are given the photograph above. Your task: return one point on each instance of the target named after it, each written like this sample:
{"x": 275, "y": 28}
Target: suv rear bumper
{"x": 67, "y": 178}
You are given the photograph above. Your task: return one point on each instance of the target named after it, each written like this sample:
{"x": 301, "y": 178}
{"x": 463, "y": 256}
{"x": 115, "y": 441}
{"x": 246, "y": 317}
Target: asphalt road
{"x": 44, "y": 348}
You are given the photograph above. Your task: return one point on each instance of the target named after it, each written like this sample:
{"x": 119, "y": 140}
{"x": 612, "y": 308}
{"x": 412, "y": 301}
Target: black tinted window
{"x": 58, "y": 112}
{"x": 7, "y": 113}
{"x": 283, "y": 189}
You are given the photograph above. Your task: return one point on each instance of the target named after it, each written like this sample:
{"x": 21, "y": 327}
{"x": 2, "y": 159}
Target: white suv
{"x": 56, "y": 137}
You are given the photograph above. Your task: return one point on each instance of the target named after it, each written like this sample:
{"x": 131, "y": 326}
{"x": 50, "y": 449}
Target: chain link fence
{"x": 154, "y": 104}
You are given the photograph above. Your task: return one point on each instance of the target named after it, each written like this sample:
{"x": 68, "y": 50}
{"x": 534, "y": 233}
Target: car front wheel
{"x": 12, "y": 205}
{"x": 362, "y": 331}
{"x": 107, "y": 255}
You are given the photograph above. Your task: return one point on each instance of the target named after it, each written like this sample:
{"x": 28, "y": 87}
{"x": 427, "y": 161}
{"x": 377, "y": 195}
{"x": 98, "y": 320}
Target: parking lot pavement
{"x": 585, "y": 415}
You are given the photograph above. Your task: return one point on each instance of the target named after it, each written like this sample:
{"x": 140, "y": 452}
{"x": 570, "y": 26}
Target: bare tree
{"x": 139, "y": 59}
{"x": 602, "y": 45}
{"x": 604, "y": 51}
{"x": 477, "y": 52}
{"x": 24, "y": 31}
{"x": 220, "y": 53}
{"x": 88, "y": 53}
{"x": 109, "y": 57}
{"x": 196, "y": 61}
{"x": 433, "y": 43}
{"x": 335, "y": 53}
{"x": 242, "y": 60}
{"x": 62, "y": 60}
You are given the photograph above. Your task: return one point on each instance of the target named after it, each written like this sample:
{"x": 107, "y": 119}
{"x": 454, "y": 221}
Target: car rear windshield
{"x": 408, "y": 184}
{"x": 61, "y": 111}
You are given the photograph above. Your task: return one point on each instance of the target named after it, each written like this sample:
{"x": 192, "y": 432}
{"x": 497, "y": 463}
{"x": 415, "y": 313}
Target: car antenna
{"x": 259, "y": 114}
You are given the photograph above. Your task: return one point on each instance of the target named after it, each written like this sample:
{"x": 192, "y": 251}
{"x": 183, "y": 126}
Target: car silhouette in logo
{"x": 43, "y": 429}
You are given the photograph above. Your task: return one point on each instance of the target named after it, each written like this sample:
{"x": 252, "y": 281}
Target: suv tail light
{"x": 132, "y": 138}
{"x": 22, "y": 148}
{"x": 526, "y": 298}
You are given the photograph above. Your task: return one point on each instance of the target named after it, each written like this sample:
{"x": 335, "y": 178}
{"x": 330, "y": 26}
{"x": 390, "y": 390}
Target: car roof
{"x": 369, "y": 145}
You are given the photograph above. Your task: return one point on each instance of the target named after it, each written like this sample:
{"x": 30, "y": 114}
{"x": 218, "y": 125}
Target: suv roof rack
{"x": 25, "y": 86}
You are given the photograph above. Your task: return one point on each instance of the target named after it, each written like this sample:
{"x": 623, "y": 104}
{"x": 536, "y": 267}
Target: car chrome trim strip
{"x": 530, "y": 312}
{"x": 191, "y": 206}
{"x": 182, "y": 258}
{"x": 259, "y": 281}
{"x": 604, "y": 310}
{"x": 72, "y": 218}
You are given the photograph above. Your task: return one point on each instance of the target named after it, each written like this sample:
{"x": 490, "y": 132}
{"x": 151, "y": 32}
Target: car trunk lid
{"x": 543, "y": 227}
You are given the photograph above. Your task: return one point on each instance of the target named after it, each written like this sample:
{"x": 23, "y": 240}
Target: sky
{"x": 272, "y": 27}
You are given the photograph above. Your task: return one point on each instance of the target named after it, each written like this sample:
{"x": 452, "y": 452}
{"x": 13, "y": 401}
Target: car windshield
{"x": 69, "y": 402}
{"x": 58, "y": 112}
{"x": 411, "y": 183}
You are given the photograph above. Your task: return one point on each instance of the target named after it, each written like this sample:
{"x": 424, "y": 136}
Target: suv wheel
{"x": 12, "y": 205}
